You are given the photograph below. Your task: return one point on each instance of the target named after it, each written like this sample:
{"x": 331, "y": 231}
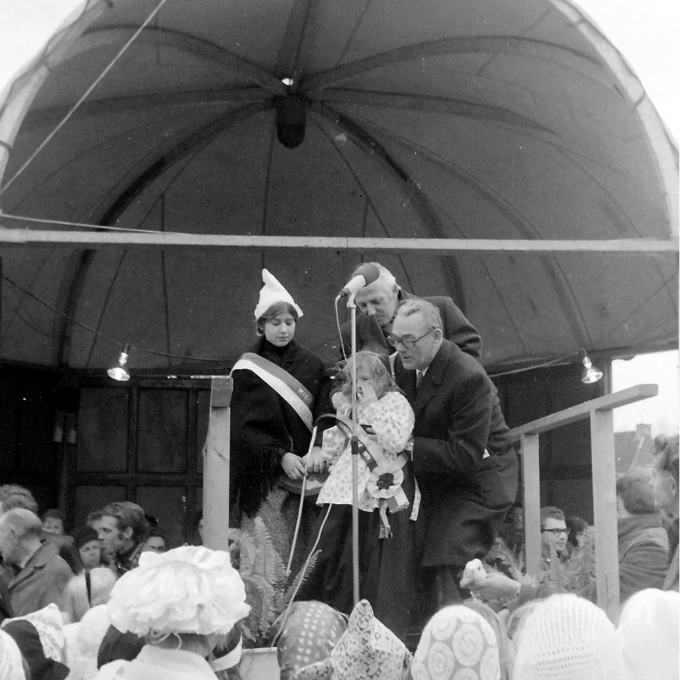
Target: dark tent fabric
{"x": 479, "y": 119}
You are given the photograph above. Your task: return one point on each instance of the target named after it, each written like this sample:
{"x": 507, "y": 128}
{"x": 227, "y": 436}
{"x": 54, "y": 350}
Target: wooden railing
{"x": 600, "y": 412}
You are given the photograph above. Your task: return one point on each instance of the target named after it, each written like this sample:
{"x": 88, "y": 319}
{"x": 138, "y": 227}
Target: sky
{"x": 646, "y": 33}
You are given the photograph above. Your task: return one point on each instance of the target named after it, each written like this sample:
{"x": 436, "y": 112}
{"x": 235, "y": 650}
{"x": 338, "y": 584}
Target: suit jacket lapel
{"x": 431, "y": 380}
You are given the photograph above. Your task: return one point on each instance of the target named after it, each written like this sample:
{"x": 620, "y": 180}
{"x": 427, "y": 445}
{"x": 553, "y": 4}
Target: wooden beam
{"x": 581, "y": 411}
{"x": 216, "y": 468}
{"x": 166, "y": 240}
{"x": 531, "y": 485}
{"x": 604, "y": 508}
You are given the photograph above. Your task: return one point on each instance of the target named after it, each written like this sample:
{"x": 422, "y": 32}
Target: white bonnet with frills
{"x": 190, "y": 589}
{"x": 271, "y": 293}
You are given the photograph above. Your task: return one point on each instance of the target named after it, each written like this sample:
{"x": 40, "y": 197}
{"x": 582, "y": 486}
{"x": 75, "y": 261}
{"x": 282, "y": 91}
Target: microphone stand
{"x": 354, "y": 443}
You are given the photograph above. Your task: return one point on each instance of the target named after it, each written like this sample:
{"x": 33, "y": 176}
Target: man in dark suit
{"x": 378, "y": 304}
{"x": 465, "y": 466}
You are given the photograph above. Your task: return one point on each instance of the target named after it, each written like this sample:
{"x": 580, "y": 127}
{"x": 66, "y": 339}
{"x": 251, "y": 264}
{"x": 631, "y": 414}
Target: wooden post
{"x": 604, "y": 508}
{"x": 216, "y": 467}
{"x": 531, "y": 484}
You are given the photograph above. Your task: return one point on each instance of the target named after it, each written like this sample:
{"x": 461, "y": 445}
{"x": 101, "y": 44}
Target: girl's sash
{"x": 283, "y": 383}
{"x": 386, "y": 475}
{"x": 300, "y": 400}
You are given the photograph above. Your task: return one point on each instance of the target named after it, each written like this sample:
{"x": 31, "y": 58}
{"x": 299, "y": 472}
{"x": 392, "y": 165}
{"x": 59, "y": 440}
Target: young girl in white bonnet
{"x": 184, "y": 601}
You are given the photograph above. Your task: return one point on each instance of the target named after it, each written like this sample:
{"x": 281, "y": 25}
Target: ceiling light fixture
{"x": 120, "y": 372}
{"x": 591, "y": 374}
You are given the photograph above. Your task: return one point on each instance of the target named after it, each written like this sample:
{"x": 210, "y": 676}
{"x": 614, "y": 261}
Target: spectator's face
{"x": 54, "y": 525}
{"x": 280, "y": 330}
{"x": 9, "y": 543}
{"x": 554, "y": 533}
{"x": 155, "y": 544}
{"x": 91, "y": 554}
{"x": 111, "y": 537}
{"x": 665, "y": 491}
{"x": 415, "y": 327}
{"x": 375, "y": 300}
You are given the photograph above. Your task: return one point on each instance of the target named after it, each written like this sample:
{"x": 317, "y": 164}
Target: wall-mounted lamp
{"x": 591, "y": 374}
{"x": 119, "y": 371}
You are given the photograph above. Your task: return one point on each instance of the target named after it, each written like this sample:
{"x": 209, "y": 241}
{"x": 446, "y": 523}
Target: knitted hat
{"x": 457, "y": 643}
{"x": 11, "y": 665}
{"x": 367, "y": 649}
{"x": 190, "y": 589}
{"x": 83, "y": 535}
{"x": 648, "y": 632}
{"x": 568, "y": 638}
{"x": 309, "y": 634}
{"x": 271, "y": 293}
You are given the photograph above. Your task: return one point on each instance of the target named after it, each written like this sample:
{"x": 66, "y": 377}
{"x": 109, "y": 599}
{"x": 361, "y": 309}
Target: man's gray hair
{"x": 24, "y": 522}
{"x": 427, "y": 309}
{"x": 385, "y": 280}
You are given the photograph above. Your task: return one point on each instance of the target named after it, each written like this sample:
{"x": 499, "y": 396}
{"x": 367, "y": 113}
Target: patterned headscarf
{"x": 309, "y": 635}
{"x": 366, "y": 651}
{"x": 457, "y": 644}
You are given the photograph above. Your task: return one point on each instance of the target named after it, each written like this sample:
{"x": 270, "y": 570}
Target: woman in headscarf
{"x": 280, "y": 389}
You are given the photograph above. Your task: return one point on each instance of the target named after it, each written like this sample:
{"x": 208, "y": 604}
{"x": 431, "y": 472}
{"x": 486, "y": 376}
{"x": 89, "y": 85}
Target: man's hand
{"x": 315, "y": 461}
{"x": 293, "y": 466}
{"x": 496, "y": 586}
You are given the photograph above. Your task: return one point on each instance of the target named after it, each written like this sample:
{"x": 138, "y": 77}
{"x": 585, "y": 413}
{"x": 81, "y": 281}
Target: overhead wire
{"x": 80, "y": 101}
{"x": 97, "y": 333}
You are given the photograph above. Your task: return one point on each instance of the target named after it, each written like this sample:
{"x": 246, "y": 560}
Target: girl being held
{"x": 387, "y": 420}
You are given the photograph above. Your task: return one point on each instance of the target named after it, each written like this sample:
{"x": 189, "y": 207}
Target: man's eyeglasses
{"x": 557, "y": 532}
{"x": 407, "y": 341}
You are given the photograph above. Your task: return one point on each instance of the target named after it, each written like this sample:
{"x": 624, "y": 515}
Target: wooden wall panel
{"x": 162, "y": 430}
{"x": 103, "y": 430}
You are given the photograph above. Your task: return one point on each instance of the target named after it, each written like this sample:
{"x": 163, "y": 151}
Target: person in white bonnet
{"x": 568, "y": 638}
{"x": 649, "y": 635}
{"x": 185, "y": 602}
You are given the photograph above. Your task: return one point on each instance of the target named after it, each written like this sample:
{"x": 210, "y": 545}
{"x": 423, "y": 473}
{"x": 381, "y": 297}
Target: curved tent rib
{"x": 472, "y": 122}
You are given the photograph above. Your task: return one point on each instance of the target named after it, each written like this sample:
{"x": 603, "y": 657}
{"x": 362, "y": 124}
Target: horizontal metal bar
{"x": 167, "y": 240}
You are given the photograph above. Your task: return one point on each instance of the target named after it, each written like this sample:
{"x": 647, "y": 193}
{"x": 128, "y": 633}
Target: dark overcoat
{"x": 455, "y": 325}
{"x": 465, "y": 493}
{"x": 40, "y": 582}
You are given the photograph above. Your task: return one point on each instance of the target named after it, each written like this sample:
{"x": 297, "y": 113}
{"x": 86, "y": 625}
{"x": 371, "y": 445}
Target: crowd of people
{"x": 443, "y": 593}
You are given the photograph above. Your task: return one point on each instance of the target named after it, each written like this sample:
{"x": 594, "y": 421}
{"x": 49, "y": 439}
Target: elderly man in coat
{"x": 39, "y": 574}
{"x": 464, "y": 464}
{"x": 378, "y": 304}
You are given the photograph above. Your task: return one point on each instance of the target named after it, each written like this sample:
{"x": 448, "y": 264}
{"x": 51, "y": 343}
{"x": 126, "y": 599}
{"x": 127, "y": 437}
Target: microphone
{"x": 365, "y": 276}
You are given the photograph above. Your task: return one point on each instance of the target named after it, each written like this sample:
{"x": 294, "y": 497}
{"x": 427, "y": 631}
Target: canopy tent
{"x": 389, "y": 120}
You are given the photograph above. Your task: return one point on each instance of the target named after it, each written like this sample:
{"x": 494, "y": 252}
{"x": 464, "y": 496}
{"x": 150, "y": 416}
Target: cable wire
{"x": 87, "y": 93}
{"x": 97, "y": 333}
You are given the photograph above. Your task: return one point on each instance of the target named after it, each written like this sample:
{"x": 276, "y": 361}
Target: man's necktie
{"x": 419, "y": 379}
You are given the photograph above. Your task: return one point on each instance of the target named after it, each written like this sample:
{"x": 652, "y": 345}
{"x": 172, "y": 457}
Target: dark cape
{"x": 264, "y": 426}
